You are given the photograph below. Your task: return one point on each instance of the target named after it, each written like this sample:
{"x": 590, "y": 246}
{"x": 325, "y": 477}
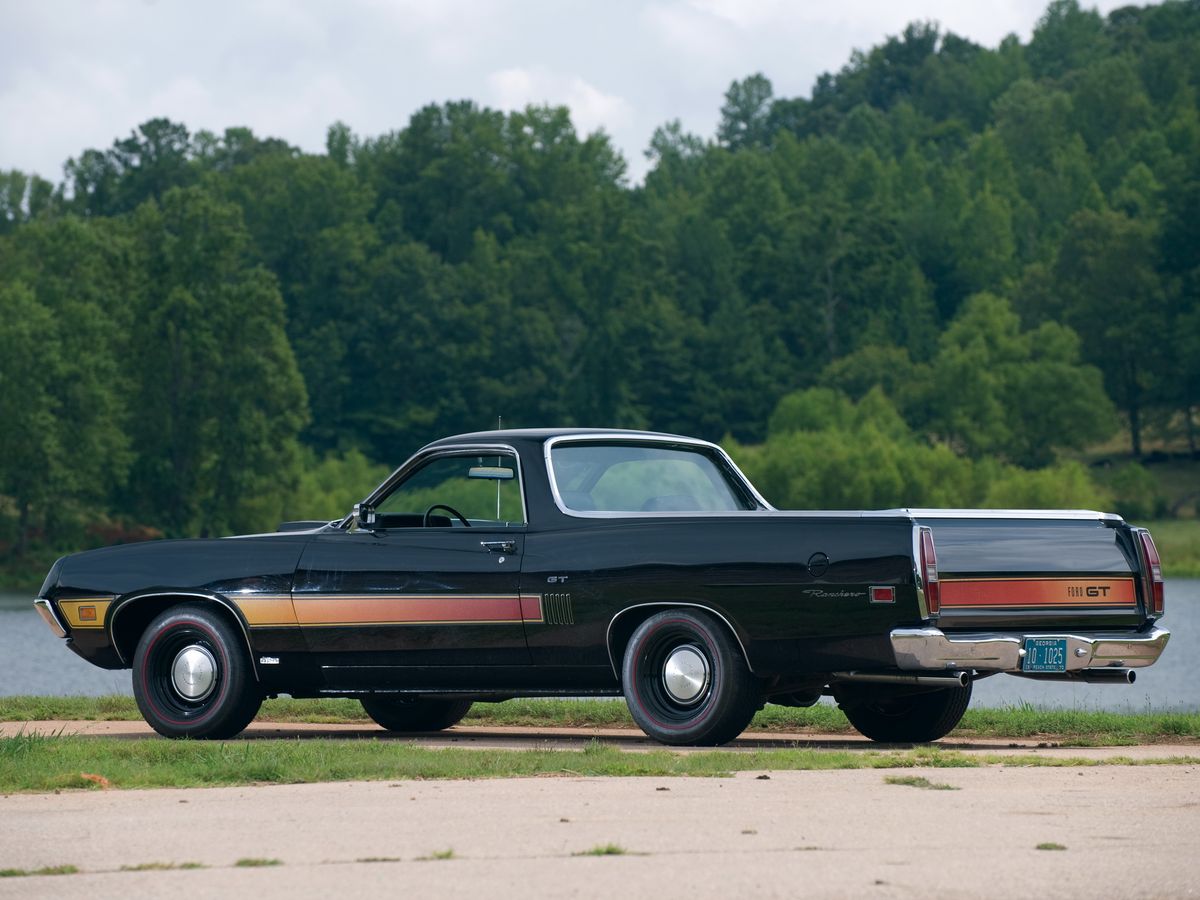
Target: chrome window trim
{"x": 647, "y": 438}
{"x": 50, "y": 615}
{"x": 918, "y": 575}
{"x": 667, "y": 604}
{"x": 1065, "y": 514}
{"x": 212, "y": 598}
{"x": 428, "y": 454}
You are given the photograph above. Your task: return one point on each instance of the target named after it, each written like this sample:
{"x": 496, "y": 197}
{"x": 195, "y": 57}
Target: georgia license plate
{"x": 1045, "y": 655}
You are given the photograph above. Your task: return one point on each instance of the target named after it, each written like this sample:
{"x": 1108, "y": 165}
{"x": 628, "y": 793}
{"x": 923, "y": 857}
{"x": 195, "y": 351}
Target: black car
{"x": 575, "y": 562}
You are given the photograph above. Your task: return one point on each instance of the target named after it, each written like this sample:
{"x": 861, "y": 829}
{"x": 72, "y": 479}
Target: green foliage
{"x": 1136, "y": 493}
{"x": 327, "y": 488}
{"x": 216, "y": 331}
{"x": 998, "y": 391}
{"x": 827, "y": 452}
{"x": 219, "y": 395}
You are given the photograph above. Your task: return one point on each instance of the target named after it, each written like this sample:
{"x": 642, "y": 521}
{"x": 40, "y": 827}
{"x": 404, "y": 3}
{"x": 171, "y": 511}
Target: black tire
{"x": 400, "y": 713}
{"x": 178, "y": 701}
{"x": 726, "y": 694}
{"x": 883, "y": 715}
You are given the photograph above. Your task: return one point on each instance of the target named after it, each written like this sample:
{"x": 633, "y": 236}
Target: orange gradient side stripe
{"x": 531, "y": 608}
{"x": 266, "y": 609}
{"x": 407, "y": 609}
{"x": 1009, "y": 592}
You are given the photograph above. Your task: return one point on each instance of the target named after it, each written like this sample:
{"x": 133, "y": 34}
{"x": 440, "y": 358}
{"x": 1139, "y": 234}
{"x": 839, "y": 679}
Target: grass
{"x": 1178, "y": 543}
{"x": 919, "y": 781}
{"x": 46, "y": 870}
{"x": 1064, "y": 726}
{"x": 256, "y": 862}
{"x": 1050, "y": 845}
{"x": 34, "y": 763}
{"x": 603, "y": 850}
{"x": 437, "y": 854}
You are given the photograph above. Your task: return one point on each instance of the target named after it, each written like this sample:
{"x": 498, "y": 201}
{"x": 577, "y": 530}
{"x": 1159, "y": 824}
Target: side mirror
{"x": 364, "y": 516}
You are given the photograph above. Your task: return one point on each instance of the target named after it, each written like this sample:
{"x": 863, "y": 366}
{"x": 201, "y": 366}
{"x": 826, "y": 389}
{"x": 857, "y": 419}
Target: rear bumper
{"x": 930, "y": 649}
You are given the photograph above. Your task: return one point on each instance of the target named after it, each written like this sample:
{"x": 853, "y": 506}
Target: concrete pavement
{"x": 1128, "y": 832}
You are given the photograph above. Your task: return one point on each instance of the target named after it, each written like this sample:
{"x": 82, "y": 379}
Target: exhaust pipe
{"x": 950, "y": 679}
{"x": 1089, "y": 676}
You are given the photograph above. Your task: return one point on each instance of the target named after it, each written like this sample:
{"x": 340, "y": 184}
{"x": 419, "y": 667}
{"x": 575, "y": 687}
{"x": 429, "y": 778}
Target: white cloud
{"x": 81, "y": 75}
{"x": 591, "y": 108}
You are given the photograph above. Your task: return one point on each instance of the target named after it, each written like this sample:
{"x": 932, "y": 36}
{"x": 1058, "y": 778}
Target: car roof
{"x": 506, "y": 435}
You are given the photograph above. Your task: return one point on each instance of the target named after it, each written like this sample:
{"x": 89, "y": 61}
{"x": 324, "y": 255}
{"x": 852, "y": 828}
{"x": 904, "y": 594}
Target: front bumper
{"x": 46, "y": 611}
{"x": 930, "y": 649}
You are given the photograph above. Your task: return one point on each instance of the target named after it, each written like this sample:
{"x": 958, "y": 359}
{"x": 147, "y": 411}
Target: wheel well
{"x": 133, "y": 617}
{"x": 626, "y": 622}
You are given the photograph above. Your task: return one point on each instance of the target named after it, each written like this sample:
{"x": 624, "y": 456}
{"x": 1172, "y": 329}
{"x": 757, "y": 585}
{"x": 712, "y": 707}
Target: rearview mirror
{"x": 495, "y": 473}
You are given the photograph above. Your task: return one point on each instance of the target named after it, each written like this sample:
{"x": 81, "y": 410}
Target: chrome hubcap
{"x": 686, "y": 674}
{"x": 194, "y": 673}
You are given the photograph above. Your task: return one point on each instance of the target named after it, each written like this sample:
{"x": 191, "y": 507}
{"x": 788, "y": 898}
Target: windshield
{"x": 630, "y": 477}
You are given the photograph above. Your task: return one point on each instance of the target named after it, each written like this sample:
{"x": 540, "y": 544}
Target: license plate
{"x": 1045, "y": 655}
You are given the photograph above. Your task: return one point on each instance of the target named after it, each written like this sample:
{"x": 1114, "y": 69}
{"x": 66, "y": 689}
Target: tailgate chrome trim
{"x": 931, "y": 649}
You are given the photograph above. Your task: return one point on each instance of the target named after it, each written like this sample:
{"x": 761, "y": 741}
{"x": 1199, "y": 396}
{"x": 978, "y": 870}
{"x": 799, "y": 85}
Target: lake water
{"x": 33, "y": 661}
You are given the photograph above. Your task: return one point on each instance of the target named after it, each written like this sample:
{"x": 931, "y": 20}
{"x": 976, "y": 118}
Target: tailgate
{"x": 1051, "y": 569}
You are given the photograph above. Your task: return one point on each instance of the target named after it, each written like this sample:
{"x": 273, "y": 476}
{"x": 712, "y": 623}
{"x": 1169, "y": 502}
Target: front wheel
{"x": 686, "y": 681}
{"x": 917, "y": 718}
{"x": 400, "y": 713}
{"x": 192, "y": 675}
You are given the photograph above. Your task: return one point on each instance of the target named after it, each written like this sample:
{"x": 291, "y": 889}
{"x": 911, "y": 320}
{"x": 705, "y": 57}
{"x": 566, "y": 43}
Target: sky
{"x": 78, "y": 75}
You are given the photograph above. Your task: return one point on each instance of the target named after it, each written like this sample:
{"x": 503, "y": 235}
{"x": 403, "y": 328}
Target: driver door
{"x": 434, "y": 582}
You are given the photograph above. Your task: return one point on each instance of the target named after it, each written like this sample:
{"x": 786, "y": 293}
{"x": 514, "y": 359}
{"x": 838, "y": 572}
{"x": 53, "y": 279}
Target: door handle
{"x": 499, "y": 546}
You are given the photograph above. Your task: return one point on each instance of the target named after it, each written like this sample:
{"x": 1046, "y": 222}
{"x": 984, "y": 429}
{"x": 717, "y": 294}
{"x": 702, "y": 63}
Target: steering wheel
{"x": 450, "y": 509}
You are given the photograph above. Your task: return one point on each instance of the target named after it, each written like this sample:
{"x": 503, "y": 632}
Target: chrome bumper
{"x": 46, "y": 611}
{"x": 930, "y": 649}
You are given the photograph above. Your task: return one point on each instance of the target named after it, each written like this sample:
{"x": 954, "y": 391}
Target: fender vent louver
{"x": 556, "y": 609}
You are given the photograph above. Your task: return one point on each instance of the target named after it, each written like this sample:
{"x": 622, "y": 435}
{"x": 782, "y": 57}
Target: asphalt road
{"x": 1129, "y": 831}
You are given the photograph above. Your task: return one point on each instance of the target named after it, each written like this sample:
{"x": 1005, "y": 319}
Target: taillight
{"x": 1152, "y": 576}
{"x": 929, "y": 572}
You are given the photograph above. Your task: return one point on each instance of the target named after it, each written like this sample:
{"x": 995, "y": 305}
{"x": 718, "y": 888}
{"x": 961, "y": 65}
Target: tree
{"x": 219, "y": 400}
{"x": 745, "y": 113}
{"x": 32, "y": 461}
{"x": 1114, "y": 299}
{"x": 79, "y": 275}
{"x": 1066, "y": 38}
{"x": 996, "y": 390}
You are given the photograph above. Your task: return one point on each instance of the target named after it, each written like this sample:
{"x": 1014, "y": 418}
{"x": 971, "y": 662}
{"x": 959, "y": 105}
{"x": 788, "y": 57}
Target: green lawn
{"x": 1178, "y": 543}
{"x": 1080, "y": 728}
{"x": 39, "y": 764}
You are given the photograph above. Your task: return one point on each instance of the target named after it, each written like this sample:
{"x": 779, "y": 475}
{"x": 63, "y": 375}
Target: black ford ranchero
{"x": 575, "y": 562}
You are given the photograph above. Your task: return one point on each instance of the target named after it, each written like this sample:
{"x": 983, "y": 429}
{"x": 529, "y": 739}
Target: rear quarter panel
{"x": 753, "y": 569}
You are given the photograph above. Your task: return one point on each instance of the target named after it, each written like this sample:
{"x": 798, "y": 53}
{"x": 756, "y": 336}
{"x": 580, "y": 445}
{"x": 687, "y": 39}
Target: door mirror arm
{"x": 363, "y": 517}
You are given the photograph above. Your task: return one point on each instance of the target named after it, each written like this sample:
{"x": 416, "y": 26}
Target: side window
{"x": 630, "y": 477}
{"x": 484, "y": 490}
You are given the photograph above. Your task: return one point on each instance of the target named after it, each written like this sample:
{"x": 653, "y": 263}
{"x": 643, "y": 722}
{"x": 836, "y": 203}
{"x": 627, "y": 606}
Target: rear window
{"x": 629, "y": 477}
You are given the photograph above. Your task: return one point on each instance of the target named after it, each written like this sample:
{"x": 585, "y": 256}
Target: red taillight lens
{"x": 1152, "y": 574}
{"x": 929, "y": 572}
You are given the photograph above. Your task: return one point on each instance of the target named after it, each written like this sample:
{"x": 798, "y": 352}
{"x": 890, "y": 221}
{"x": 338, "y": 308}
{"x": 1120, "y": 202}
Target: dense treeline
{"x": 926, "y": 282}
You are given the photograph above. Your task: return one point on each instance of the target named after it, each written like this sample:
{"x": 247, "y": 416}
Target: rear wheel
{"x": 192, "y": 675}
{"x": 685, "y": 680}
{"x": 414, "y": 713}
{"x": 915, "y": 718}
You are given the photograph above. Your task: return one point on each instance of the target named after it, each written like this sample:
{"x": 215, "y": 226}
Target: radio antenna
{"x": 499, "y": 423}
